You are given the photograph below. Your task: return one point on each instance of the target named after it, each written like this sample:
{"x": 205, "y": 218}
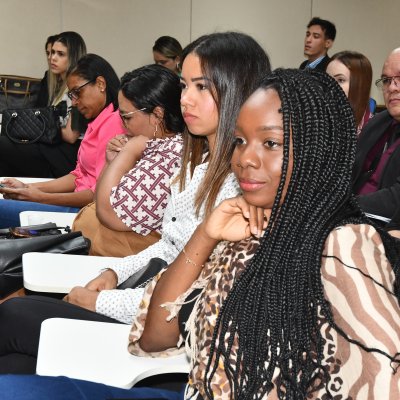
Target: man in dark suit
{"x": 376, "y": 174}
{"x": 319, "y": 39}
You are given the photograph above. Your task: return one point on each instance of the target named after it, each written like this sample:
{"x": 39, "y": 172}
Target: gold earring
{"x": 155, "y": 131}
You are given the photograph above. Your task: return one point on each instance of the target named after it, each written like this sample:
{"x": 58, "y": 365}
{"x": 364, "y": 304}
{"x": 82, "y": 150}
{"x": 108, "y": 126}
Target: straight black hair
{"x": 154, "y": 86}
{"x": 327, "y": 26}
{"x": 90, "y": 67}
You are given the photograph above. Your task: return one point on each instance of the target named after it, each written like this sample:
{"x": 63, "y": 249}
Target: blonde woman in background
{"x": 167, "y": 52}
{"x": 43, "y": 160}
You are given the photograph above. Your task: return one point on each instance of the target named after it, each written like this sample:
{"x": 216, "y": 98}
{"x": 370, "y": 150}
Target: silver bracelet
{"x": 189, "y": 260}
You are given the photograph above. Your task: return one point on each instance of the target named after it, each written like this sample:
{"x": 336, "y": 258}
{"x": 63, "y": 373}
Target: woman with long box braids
{"x": 309, "y": 308}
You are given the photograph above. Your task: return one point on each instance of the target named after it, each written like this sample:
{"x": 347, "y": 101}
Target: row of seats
{"x": 79, "y": 357}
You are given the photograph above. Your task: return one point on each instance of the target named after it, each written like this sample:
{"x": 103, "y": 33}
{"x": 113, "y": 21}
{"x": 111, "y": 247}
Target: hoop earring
{"x": 155, "y": 131}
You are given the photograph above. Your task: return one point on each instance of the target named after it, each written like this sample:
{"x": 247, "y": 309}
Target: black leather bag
{"x": 11, "y": 251}
{"x": 31, "y": 125}
{"x": 18, "y": 91}
{"x": 144, "y": 275}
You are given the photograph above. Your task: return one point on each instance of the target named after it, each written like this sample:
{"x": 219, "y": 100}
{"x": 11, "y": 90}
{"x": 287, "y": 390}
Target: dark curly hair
{"x": 281, "y": 289}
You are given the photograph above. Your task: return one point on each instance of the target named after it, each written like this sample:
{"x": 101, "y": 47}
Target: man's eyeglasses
{"x": 127, "y": 116}
{"x": 386, "y": 81}
{"x": 74, "y": 93}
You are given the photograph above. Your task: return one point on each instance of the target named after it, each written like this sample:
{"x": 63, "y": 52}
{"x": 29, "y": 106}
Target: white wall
{"x": 123, "y": 31}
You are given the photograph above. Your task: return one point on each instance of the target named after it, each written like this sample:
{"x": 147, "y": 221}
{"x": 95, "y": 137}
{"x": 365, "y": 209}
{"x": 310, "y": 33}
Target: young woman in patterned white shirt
{"x": 215, "y": 82}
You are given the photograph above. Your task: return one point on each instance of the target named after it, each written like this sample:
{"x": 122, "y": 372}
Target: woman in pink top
{"x": 93, "y": 88}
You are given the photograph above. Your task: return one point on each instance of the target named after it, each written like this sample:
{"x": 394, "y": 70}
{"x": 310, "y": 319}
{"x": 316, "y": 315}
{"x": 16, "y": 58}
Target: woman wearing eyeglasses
{"x": 93, "y": 90}
{"x": 139, "y": 166}
{"x": 41, "y": 160}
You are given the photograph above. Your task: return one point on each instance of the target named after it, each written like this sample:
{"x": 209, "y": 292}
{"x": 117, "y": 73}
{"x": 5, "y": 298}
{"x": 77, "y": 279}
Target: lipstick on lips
{"x": 250, "y": 185}
{"x": 188, "y": 117}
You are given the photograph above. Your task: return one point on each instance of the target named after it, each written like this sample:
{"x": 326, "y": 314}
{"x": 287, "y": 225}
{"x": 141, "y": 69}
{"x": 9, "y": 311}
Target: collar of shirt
{"x": 313, "y": 64}
{"x": 99, "y": 120}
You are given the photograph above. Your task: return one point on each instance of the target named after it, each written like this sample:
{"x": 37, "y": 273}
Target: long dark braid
{"x": 272, "y": 309}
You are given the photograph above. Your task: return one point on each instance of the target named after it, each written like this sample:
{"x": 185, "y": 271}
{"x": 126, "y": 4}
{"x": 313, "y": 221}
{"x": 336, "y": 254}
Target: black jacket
{"x": 386, "y": 200}
{"x": 320, "y": 67}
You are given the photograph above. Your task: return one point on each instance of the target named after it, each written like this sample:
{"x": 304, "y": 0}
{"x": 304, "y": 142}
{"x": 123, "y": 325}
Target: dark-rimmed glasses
{"x": 384, "y": 82}
{"x": 74, "y": 93}
{"x": 127, "y": 116}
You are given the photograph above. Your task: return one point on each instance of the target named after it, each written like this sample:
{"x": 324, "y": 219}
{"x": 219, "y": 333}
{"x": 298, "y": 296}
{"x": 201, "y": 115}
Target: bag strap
{"x": 14, "y": 117}
{"x": 5, "y": 85}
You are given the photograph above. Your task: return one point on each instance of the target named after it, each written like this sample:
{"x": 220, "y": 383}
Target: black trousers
{"x": 37, "y": 160}
{"x": 20, "y": 320}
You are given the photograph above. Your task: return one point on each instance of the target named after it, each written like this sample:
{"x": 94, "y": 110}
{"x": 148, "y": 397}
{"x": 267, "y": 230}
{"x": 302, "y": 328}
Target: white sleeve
{"x": 131, "y": 264}
{"x": 121, "y": 305}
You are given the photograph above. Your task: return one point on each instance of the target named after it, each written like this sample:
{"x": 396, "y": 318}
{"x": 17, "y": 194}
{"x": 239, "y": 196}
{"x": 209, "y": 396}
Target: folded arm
{"x": 122, "y": 153}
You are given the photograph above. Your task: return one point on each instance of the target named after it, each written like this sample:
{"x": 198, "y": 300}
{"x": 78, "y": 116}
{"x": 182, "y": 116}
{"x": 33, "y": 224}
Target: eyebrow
{"x": 269, "y": 128}
{"x": 200, "y": 78}
{"x": 264, "y": 128}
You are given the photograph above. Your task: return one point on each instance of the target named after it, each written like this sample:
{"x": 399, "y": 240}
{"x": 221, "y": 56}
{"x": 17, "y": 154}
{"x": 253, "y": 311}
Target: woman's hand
{"x": 107, "y": 280}
{"x": 234, "y": 219}
{"x": 28, "y": 193}
{"x": 136, "y": 146}
{"x": 13, "y": 183}
{"x": 82, "y": 297}
{"x": 114, "y": 146}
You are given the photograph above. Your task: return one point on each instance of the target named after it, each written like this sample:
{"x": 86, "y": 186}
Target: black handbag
{"x": 144, "y": 275}
{"x": 51, "y": 240}
{"x": 18, "y": 91}
{"x": 31, "y": 125}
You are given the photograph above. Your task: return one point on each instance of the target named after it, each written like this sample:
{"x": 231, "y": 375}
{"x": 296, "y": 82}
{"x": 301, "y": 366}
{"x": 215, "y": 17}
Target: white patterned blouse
{"x": 180, "y": 221}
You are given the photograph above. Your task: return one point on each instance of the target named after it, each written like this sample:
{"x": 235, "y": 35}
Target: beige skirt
{"x": 107, "y": 242}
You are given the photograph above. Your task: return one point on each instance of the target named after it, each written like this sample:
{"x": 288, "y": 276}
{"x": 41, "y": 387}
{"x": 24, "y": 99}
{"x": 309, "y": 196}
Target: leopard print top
{"x": 358, "y": 283}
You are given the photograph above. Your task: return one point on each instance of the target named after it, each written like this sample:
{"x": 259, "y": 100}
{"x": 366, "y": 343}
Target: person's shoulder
{"x": 382, "y": 117}
{"x": 110, "y": 119}
{"x": 323, "y": 64}
{"x": 356, "y": 247}
{"x": 303, "y": 64}
{"x": 375, "y": 127}
{"x": 174, "y": 142}
{"x": 350, "y": 235}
